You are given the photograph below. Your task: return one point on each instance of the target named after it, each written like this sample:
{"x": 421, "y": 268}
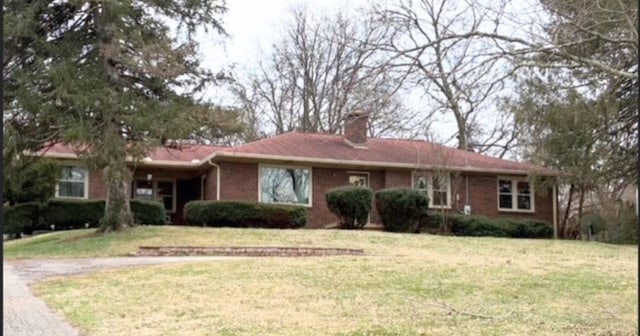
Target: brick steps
{"x": 266, "y": 251}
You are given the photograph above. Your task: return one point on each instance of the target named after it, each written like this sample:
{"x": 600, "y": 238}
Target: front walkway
{"x": 26, "y": 315}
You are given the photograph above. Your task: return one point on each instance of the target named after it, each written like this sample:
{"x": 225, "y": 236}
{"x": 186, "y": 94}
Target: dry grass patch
{"x": 529, "y": 287}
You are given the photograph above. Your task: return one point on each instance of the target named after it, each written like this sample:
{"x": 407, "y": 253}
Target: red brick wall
{"x": 355, "y": 128}
{"x": 397, "y": 178}
{"x": 326, "y": 178}
{"x": 238, "y": 181}
{"x": 483, "y": 198}
{"x": 97, "y": 185}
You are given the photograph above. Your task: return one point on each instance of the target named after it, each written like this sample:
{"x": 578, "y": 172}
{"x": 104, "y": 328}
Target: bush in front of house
{"x": 480, "y": 226}
{"x": 148, "y": 212}
{"x": 477, "y": 226}
{"x": 532, "y": 228}
{"x": 21, "y": 218}
{"x": 432, "y": 221}
{"x": 245, "y": 214}
{"x": 351, "y": 204}
{"x": 402, "y": 209}
{"x": 68, "y": 214}
{"x": 28, "y": 180}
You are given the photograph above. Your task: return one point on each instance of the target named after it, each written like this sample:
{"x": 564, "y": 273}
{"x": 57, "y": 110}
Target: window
{"x": 72, "y": 183}
{"x": 437, "y": 187}
{"x": 359, "y": 180}
{"x": 515, "y": 194}
{"x": 163, "y": 191}
{"x": 289, "y": 185}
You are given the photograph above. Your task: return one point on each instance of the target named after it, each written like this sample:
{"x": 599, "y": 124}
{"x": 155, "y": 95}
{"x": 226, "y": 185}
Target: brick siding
{"x": 239, "y": 181}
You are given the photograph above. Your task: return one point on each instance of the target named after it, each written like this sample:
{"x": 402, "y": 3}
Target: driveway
{"x": 26, "y": 315}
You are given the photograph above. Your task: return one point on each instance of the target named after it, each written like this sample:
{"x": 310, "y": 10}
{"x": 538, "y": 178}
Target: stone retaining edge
{"x": 266, "y": 251}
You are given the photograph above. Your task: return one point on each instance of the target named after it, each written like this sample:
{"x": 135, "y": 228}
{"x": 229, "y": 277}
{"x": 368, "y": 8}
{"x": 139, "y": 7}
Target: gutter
{"x": 376, "y": 164}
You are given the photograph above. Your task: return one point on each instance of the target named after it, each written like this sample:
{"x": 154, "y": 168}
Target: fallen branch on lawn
{"x": 445, "y": 306}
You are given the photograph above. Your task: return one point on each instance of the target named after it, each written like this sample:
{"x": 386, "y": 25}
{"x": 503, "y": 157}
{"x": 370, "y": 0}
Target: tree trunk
{"x": 117, "y": 215}
{"x": 580, "y": 207}
{"x": 562, "y": 231}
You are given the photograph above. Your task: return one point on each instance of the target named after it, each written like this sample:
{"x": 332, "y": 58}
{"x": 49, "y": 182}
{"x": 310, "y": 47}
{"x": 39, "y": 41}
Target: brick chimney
{"x": 355, "y": 129}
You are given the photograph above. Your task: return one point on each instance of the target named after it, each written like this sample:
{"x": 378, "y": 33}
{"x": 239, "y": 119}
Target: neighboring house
{"x": 298, "y": 168}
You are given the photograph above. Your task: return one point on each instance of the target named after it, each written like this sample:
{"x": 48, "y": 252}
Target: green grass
{"x": 529, "y": 287}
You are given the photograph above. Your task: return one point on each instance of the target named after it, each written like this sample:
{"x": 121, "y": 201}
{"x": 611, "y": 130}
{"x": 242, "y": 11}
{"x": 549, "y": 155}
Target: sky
{"x": 254, "y": 25}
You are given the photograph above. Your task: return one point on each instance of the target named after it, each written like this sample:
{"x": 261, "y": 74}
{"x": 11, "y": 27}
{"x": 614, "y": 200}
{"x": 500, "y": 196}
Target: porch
{"x": 171, "y": 186}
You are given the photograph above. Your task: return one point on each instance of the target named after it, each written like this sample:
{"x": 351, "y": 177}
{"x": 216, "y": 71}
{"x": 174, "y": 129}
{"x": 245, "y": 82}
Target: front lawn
{"x": 407, "y": 285}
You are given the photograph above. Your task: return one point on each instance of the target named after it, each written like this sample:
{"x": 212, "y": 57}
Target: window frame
{"x": 154, "y": 188}
{"x": 353, "y": 173}
{"x": 309, "y": 203}
{"x": 514, "y": 194}
{"x": 85, "y": 182}
{"x": 429, "y": 189}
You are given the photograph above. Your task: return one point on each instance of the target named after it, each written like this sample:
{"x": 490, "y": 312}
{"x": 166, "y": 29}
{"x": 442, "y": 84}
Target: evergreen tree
{"x": 109, "y": 77}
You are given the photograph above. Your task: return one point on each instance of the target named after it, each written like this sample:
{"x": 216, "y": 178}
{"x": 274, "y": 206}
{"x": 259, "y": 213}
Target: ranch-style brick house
{"x": 298, "y": 168}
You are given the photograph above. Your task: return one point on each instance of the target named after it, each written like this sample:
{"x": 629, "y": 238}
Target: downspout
{"x": 217, "y": 178}
{"x": 555, "y": 210}
{"x": 466, "y": 189}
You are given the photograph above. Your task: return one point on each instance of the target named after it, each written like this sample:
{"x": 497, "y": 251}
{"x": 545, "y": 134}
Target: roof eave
{"x": 378, "y": 164}
{"x": 152, "y": 163}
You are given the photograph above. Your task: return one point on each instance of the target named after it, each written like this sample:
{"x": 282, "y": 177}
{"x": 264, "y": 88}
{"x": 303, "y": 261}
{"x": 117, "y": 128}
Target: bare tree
{"x": 458, "y": 75}
{"x": 323, "y": 68}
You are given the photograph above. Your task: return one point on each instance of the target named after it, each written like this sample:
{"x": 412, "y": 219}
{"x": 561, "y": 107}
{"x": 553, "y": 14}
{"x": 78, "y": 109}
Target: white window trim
{"x": 86, "y": 184}
{"x": 429, "y": 176}
{"x": 154, "y": 187}
{"x": 514, "y": 194}
{"x": 360, "y": 173}
{"x": 309, "y": 203}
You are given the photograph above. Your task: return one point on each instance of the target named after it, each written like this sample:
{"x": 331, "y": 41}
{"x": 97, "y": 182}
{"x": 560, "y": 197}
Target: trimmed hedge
{"x": 148, "y": 212}
{"x": 402, "y": 209}
{"x": 72, "y": 214}
{"x": 68, "y": 214}
{"x": 351, "y": 204}
{"x": 461, "y": 225}
{"x": 245, "y": 214}
{"x": 432, "y": 221}
{"x": 21, "y": 218}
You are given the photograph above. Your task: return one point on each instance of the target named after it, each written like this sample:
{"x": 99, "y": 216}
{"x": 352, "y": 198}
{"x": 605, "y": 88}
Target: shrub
{"x": 351, "y": 204}
{"x": 21, "y": 218}
{"x": 431, "y": 221}
{"x": 28, "y": 180}
{"x": 72, "y": 214}
{"x": 148, "y": 212}
{"x": 244, "y": 214}
{"x": 402, "y": 209}
{"x": 592, "y": 223}
{"x": 624, "y": 229}
{"x": 533, "y": 228}
{"x": 461, "y": 225}
{"x": 499, "y": 227}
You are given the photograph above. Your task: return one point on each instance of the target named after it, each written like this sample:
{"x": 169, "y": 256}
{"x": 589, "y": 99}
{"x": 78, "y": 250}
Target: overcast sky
{"x": 254, "y": 25}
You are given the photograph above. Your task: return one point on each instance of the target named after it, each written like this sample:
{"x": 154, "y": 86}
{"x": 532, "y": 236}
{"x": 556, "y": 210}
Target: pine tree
{"x": 110, "y": 77}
